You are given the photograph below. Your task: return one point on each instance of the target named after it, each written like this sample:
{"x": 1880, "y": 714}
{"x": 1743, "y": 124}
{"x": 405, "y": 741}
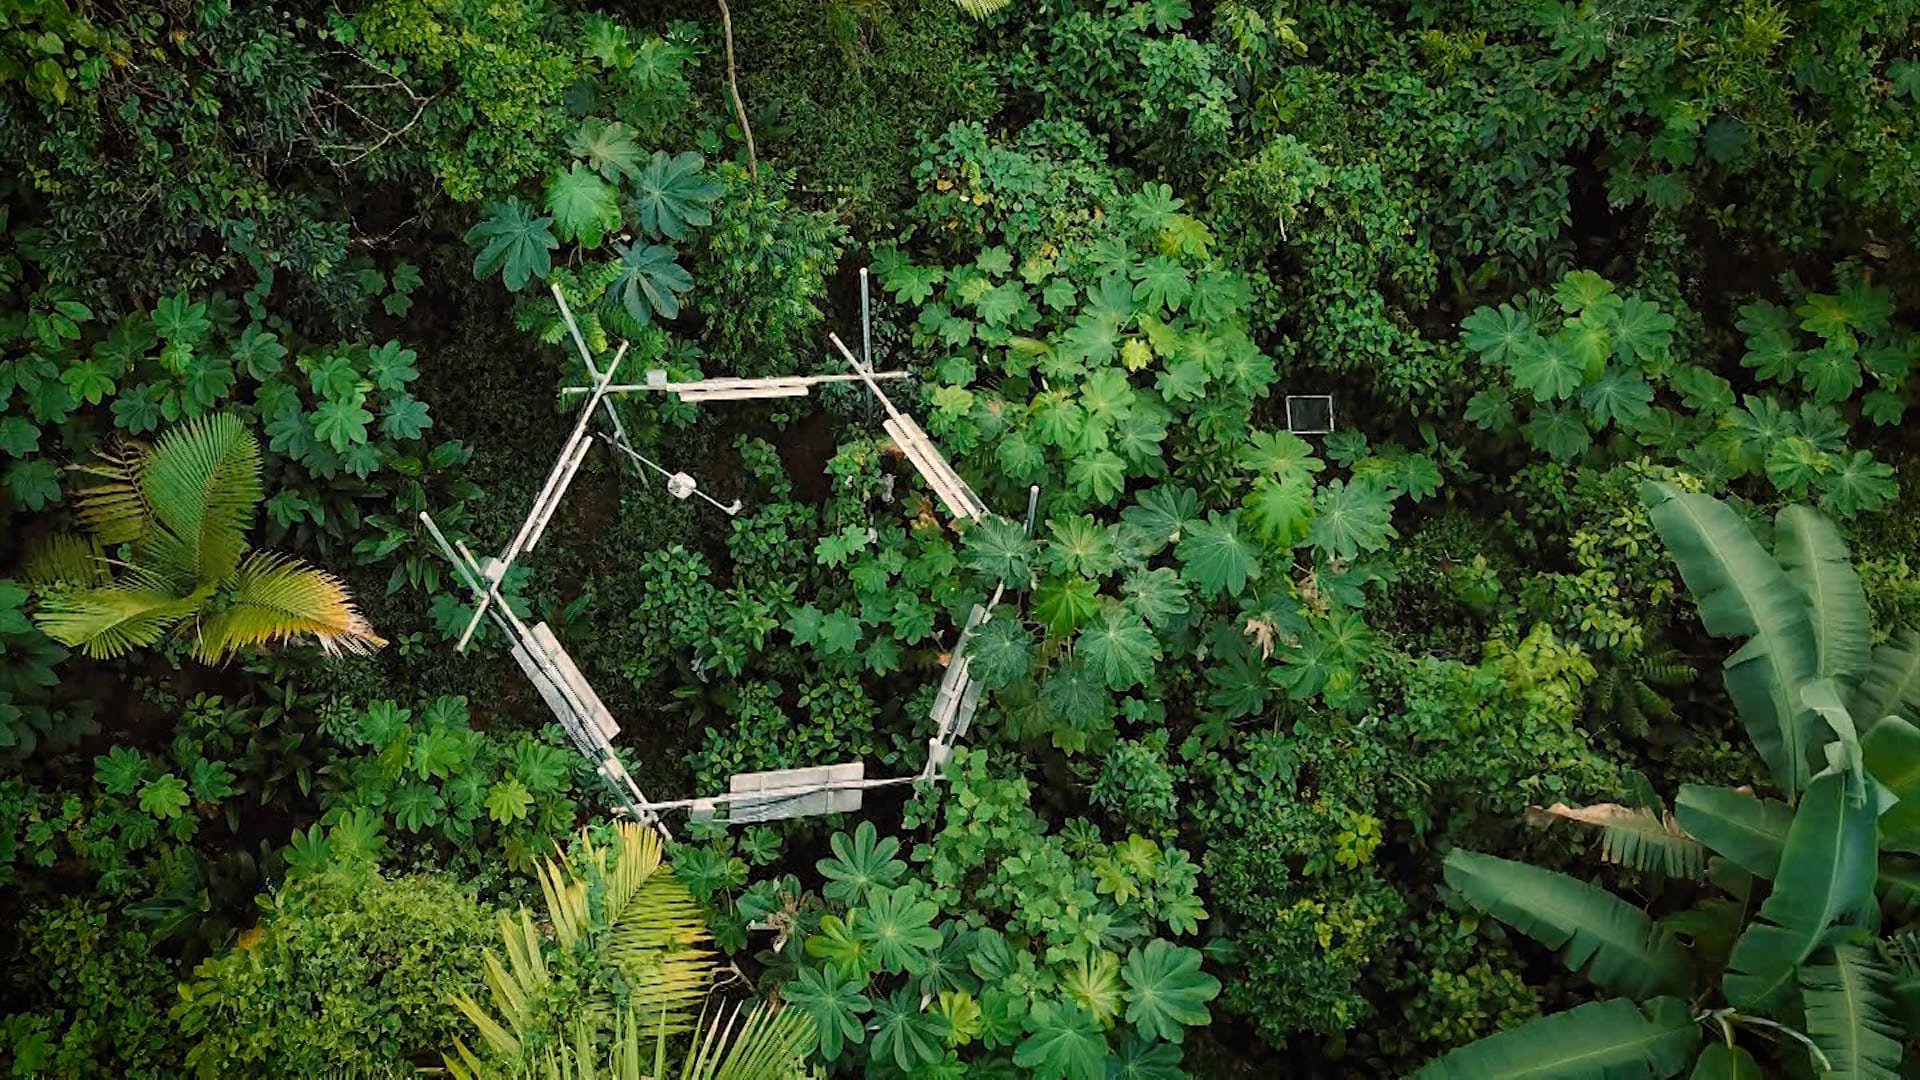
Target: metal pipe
{"x": 729, "y": 383}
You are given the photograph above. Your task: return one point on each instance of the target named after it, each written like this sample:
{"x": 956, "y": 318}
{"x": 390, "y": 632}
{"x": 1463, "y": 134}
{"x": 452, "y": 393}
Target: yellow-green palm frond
{"x": 980, "y": 9}
{"x": 65, "y": 560}
{"x": 278, "y": 597}
{"x": 653, "y": 926}
{"x": 114, "y": 507}
{"x": 108, "y": 620}
{"x": 770, "y": 1043}
{"x": 202, "y": 481}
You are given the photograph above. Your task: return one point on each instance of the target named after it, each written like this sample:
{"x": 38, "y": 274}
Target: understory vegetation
{"x": 1555, "y": 712}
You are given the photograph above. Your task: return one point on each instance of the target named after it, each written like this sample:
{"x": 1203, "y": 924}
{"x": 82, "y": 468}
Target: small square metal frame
{"x": 1310, "y": 414}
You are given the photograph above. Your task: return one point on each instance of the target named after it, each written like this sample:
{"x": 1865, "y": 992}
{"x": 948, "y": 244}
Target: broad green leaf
{"x": 1600, "y": 1040}
{"x": 1093, "y": 983}
{"x": 1641, "y": 330}
{"x": 674, "y": 194}
{"x": 1850, "y": 1016}
{"x": 1619, "y": 946}
{"x": 1826, "y": 875}
{"x": 341, "y": 423}
{"x": 1891, "y": 750}
{"x": 405, "y": 417}
{"x": 1164, "y": 514}
{"x": 1891, "y": 681}
{"x": 1815, "y": 559}
{"x": 1101, "y": 476}
{"x": 1214, "y": 556}
{"x": 1720, "y": 1061}
{"x": 508, "y": 801}
{"x": 1000, "y": 652}
{"x": 1742, "y": 592}
{"x": 1166, "y": 990}
{"x": 1155, "y": 595}
{"x": 1747, "y": 831}
{"x": 583, "y": 206}
{"x": 1623, "y": 399}
{"x": 1081, "y": 546}
{"x": 1857, "y": 484}
{"x": 906, "y": 1034}
{"x": 515, "y": 243}
{"x": 1580, "y": 289}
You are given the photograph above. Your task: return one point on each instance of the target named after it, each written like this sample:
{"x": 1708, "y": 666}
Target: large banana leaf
{"x": 1742, "y": 829}
{"x": 1892, "y": 753}
{"x": 1622, "y": 949}
{"x": 1849, "y": 1015}
{"x": 1891, "y": 682}
{"x": 1722, "y": 1061}
{"x": 1816, "y": 561}
{"x": 1826, "y": 875}
{"x": 1742, "y": 592}
{"x": 1601, "y": 1040}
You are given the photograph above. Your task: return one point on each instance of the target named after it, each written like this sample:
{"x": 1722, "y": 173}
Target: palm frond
{"x": 115, "y": 509}
{"x": 277, "y": 597}
{"x": 653, "y": 926}
{"x": 202, "y": 481}
{"x": 1636, "y": 837}
{"x": 980, "y": 9}
{"x": 65, "y": 560}
{"x": 108, "y": 620}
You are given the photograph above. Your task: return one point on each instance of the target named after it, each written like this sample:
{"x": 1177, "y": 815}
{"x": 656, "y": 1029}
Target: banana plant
{"x": 620, "y": 970}
{"x": 1807, "y": 972}
{"x": 182, "y": 506}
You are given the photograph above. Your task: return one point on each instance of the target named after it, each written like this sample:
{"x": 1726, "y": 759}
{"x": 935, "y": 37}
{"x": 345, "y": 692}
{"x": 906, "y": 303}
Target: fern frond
{"x": 277, "y": 597}
{"x": 65, "y": 561}
{"x": 980, "y": 9}
{"x": 115, "y": 509}
{"x": 1637, "y": 838}
{"x": 202, "y": 481}
{"x": 109, "y": 620}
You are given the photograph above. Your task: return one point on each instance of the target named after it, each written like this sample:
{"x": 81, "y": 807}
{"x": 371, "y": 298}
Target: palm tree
{"x": 184, "y": 506}
{"x": 625, "y": 960}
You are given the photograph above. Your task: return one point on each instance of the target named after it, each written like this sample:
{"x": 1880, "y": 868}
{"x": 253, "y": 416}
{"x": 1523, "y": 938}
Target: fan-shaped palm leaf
{"x": 107, "y": 621}
{"x": 202, "y": 481}
{"x": 277, "y": 597}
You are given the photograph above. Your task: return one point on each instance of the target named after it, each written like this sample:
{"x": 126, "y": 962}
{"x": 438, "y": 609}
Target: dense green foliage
{"x": 1297, "y": 750}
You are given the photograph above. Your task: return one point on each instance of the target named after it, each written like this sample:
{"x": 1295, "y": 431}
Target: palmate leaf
{"x": 1600, "y": 1040}
{"x": 648, "y": 282}
{"x": 1064, "y": 604}
{"x": 1498, "y": 333}
{"x": 904, "y": 1033}
{"x": 835, "y": 1005}
{"x": 897, "y": 925}
{"x": 1166, "y": 990}
{"x": 1093, "y": 983}
{"x": 1216, "y": 557}
{"x": 1815, "y": 558}
{"x": 1063, "y": 1042}
{"x": 277, "y": 597}
{"x": 1826, "y": 875}
{"x": 1119, "y": 647}
{"x": 1351, "y": 518}
{"x": 1848, "y": 1015}
{"x": 607, "y": 147}
{"x": 1742, "y": 592}
{"x": 515, "y": 242}
{"x": 674, "y": 194}
{"x": 583, "y": 205}
{"x": 860, "y": 863}
{"x": 1620, "y": 947}
{"x": 1551, "y": 369}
